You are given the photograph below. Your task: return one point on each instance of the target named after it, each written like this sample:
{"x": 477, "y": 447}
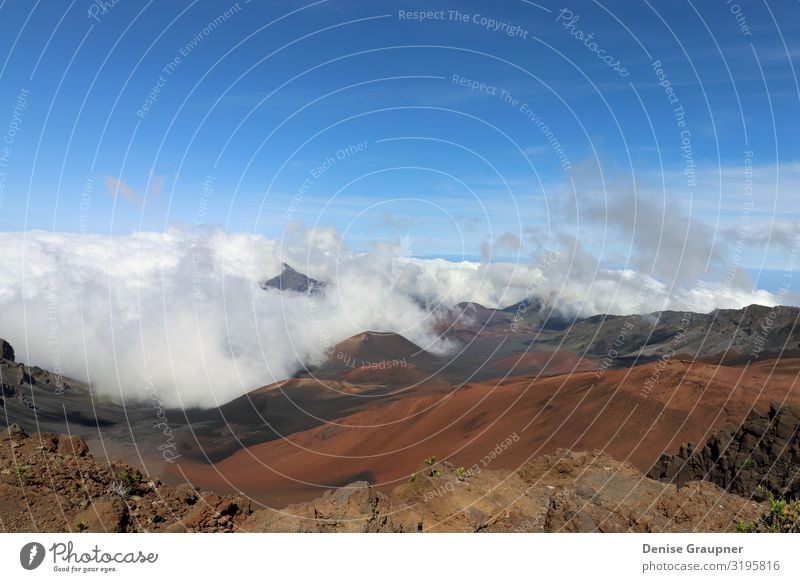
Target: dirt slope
{"x": 634, "y": 415}
{"x": 565, "y": 492}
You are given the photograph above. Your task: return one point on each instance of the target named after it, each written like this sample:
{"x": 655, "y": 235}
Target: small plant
{"x": 129, "y": 479}
{"x": 781, "y": 517}
{"x": 461, "y": 473}
{"x": 743, "y": 526}
{"x": 120, "y": 489}
{"x": 436, "y": 473}
{"x": 82, "y": 526}
{"x": 413, "y": 477}
{"x": 430, "y": 461}
{"x": 127, "y": 484}
{"x": 23, "y": 474}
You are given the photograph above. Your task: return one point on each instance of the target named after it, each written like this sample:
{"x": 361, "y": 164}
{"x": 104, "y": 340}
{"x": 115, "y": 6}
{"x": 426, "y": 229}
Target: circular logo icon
{"x": 31, "y": 555}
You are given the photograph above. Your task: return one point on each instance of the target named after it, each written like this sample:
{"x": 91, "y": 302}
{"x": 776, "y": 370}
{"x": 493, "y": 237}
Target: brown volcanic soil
{"x": 565, "y": 492}
{"x": 51, "y": 483}
{"x": 374, "y": 348}
{"x": 615, "y": 412}
{"x": 549, "y": 363}
{"x": 394, "y": 373}
{"x": 375, "y": 358}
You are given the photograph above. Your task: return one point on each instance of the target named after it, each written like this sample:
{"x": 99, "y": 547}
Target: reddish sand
{"x": 632, "y": 414}
{"x": 390, "y": 373}
{"x": 551, "y": 363}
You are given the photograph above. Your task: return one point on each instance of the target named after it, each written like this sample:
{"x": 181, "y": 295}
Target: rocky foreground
{"x": 51, "y": 482}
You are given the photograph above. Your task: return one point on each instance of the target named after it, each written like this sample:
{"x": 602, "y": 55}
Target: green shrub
{"x": 23, "y": 474}
{"x": 781, "y": 517}
{"x": 430, "y": 461}
{"x": 129, "y": 479}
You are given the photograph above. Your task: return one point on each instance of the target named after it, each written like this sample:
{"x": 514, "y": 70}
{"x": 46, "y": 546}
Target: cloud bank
{"x": 183, "y": 309}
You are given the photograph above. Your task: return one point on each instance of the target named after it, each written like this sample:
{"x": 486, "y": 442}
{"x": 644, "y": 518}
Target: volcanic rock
{"x": 104, "y": 515}
{"x": 6, "y": 350}
{"x": 16, "y": 432}
{"x": 758, "y": 458}
{"x": 291, "y": 280}
{"x": 42, "y": 490}
{"x": 72, "y": 446}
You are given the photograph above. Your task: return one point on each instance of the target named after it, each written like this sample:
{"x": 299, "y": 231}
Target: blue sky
{"x": 266, "y": 104}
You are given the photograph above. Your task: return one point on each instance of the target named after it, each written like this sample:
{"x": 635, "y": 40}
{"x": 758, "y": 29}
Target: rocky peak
{"x": 291, "y": 280}
{"x": 6, "y": 350}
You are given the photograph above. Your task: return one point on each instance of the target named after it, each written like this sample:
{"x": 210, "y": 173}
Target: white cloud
{"x": 116, "y": 188}
{"x": 185, "y": 308}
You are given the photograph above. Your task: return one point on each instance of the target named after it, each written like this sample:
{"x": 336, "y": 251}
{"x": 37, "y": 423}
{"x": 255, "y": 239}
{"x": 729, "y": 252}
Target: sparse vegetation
{"x": 129, "y": 479}
{"x": 413, "y": 477}
{"x": 430, "y": 461}
{"x": 23, "y": 474}
{"x": 120, "y": 489}
{"x": 127, "y": 484}
{"x": 82, "y": 526}
{"x": 436, "y": 473}
{"x": 781, "y": 517}
{"x": 461, "y": 473}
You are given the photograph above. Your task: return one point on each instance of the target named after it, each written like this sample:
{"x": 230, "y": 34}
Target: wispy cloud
{"x": 116, "y": 188}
